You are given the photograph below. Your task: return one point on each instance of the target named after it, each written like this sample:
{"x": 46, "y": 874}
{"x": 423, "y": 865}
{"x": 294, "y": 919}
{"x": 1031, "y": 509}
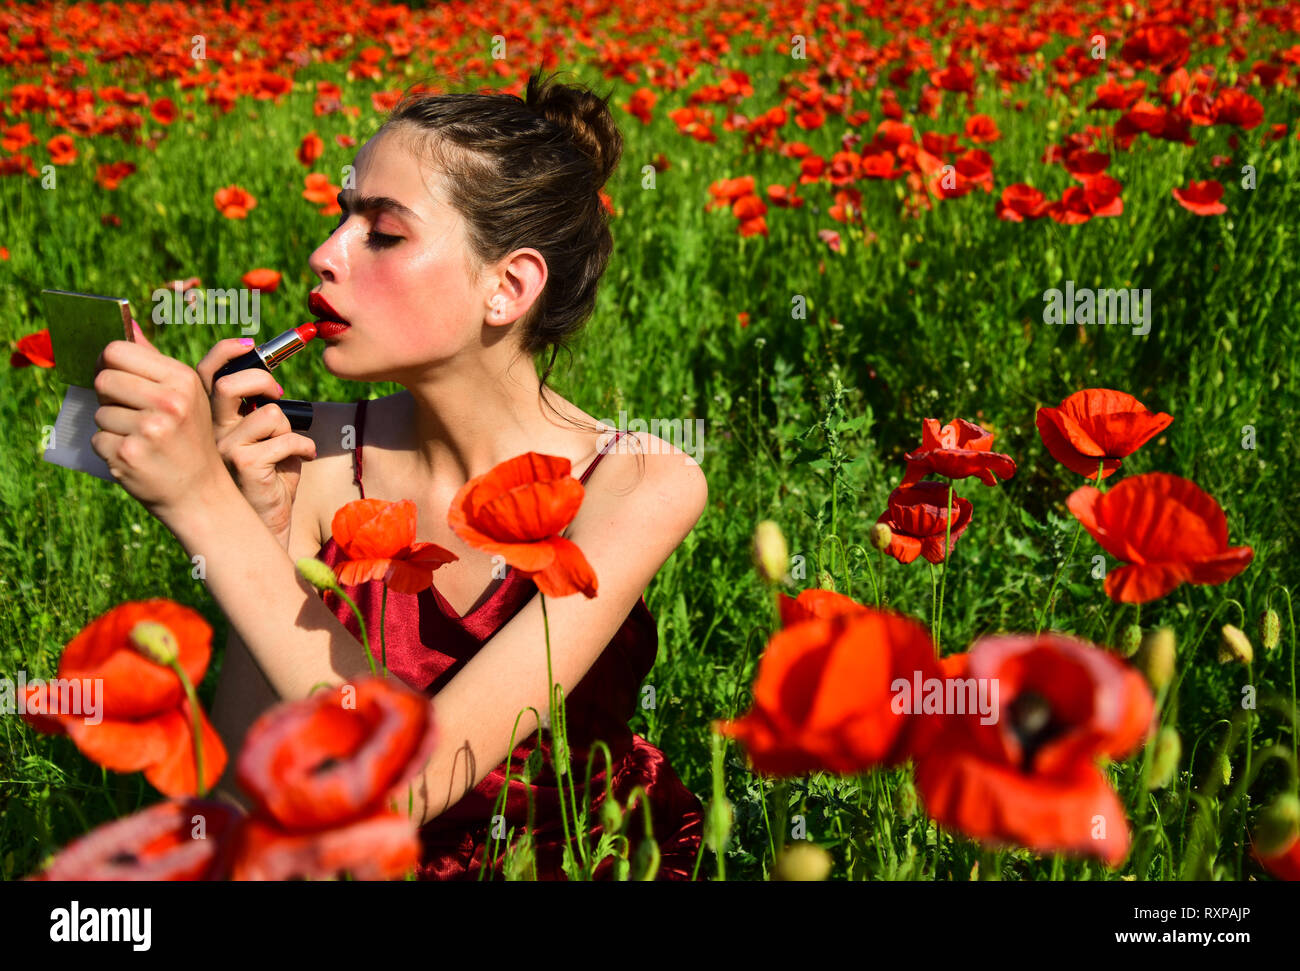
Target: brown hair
{"x": 526, "y": 172}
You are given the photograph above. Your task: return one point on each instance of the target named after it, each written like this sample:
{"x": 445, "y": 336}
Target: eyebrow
{"x": 350, "y": 201}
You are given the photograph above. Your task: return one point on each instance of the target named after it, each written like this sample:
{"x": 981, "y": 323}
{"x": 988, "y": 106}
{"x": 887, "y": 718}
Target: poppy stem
{"x": 555, "y": 761}
{"x": 1048, "y": 605}
{"x": 195, "y": 724}
{"x": 947, "y": 554}
{"x": 934, "y": 608}
{"x": 365, "y": 638}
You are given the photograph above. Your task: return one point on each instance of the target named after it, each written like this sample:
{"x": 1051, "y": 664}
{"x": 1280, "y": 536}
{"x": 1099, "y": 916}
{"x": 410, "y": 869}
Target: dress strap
{"x": 600, "y": 456}
{"x": 356, "y": 451}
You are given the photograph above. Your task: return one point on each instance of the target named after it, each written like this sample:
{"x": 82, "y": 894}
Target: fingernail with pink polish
{"x": 246, "y": 341}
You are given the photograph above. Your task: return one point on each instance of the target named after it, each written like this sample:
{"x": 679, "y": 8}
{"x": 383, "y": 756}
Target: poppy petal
{"x": 568, "y": 573}
{"x": 175, "y": 773}
{"x": 383, "y": 846}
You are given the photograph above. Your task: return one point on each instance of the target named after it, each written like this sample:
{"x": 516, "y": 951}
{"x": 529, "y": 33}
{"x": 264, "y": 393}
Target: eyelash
{"x": 373, "y": 240}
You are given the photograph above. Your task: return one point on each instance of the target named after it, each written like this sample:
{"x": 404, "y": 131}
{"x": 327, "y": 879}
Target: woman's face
{"x": 397, "y": 269}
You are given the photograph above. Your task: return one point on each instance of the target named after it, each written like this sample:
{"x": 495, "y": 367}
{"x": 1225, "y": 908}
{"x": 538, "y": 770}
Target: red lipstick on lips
{"x": 329, "y": 322}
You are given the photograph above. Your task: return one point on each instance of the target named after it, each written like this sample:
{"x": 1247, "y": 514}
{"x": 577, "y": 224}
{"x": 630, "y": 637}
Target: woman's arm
{"x": 626, "y": 538}
{"x": 296, "y": 640}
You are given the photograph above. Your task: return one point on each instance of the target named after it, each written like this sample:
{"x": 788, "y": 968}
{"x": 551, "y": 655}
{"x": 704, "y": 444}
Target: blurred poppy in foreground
{"x": 143, "y": 721}
{"x": 822, "y": 697}
{"x": 956, "y": 451}
{"x": 1098, "y": 426}
{"x": 35, "y": 349}
{"x": 1027, "y": 773}
{"x": 813, "y": 604}
{"x": 518, "y": 510}
{"x": 186, "y": 839}
{"x": 320, "y": 772}
{"x": 377, "y": 538}
{"x": 1166, "y": 528}
{"x": 917, "y": 517}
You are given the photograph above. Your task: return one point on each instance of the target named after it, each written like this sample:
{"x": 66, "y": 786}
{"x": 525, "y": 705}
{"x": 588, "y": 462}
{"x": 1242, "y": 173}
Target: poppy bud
{"x": 802, "y": 861}
{"x": 881, "y": 536}
{"x": 1234, "y": 645}
{"x": 826, "y": 581}
{"x": 318, "y": 574}
{"x": 155, "y": 641}
{"x": 611, "y": 816}
{"x": 1278, "y": 826}
{"x": 905, "y": 800}
{"x": 1225, "y": 768}
{"x": 645, "y": 863}
{"x": 1165, "y": 758}
{"x": 1270, "y": 629}
{"x": 533, "y": 765}
{"x": 1131, "y": 640}
{"x": 1157, "y": 657}
{"x": 770, "y": 553}
{"x": 720, "y": 818}
{"x": 521, "y": 859}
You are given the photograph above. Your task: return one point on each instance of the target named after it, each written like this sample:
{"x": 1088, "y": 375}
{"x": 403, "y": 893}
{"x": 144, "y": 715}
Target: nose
{"x": 329, "y": 261}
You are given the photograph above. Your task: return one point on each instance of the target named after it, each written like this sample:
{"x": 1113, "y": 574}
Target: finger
{"x": 229, "y": 389}
{"x": 119, "y": 421}
{"x": 114, "y": 387}
{"x": 222, "y": 352}
{"x": 139, "y": 335}
{"x": 258, "y": 425}
{"x": 135, "y": 358}
{"x": 269, "y": 453}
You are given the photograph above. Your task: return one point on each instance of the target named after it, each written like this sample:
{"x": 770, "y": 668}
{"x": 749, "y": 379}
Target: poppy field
{"x": 989, "y": 313}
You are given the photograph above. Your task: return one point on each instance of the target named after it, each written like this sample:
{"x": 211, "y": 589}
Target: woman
{"x": 473, "y": 239}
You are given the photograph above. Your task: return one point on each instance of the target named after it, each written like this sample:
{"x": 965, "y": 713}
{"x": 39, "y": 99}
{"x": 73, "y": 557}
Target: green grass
{"x": 944, "y": 310}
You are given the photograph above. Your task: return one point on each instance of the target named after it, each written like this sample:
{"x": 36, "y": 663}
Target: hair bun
{"x": 581, "y": 114}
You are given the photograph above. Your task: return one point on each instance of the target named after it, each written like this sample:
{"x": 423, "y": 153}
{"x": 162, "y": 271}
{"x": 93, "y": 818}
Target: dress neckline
{"x": 508, "y": 580}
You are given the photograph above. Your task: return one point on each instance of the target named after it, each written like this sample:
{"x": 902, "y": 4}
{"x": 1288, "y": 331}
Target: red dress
{"x": 427, "y": 644}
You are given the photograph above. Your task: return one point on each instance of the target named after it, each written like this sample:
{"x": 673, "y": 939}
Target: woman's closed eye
{"x": 374, "y": 239}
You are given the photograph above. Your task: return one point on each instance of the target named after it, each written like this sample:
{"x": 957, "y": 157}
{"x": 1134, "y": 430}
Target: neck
{"x": 465, "y": 420}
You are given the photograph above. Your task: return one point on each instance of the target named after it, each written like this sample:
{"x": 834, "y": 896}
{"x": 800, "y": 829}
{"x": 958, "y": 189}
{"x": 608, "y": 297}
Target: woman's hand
{"x": 156, "y": 428}
{"x": 261, "y": 450}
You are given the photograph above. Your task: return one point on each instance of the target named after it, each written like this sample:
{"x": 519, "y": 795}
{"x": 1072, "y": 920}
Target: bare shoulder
{"x": 326, "y": 482}
{"x": 644, "y": 476}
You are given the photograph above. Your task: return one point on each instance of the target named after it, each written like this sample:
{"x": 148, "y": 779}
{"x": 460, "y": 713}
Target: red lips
{"x": 321, "y": 309}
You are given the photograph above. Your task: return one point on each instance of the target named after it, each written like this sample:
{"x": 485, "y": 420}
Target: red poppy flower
{"x": 378, "y": 540}
{"x": 1233, "y": 106}
{"x": 382, "y": 846}
{"x": 1166, "y": 528}
{"x": 110, "y": 176}
{"x": 822, "y": 698}
{"x": 234, "y": 202}
{"x": 518, "y": 510}
{"x": 320, "y": 772}
{"x": 336, "y": 756}
{"x": 163, "y": 111}
{"x": 1284, "y": 865}
{"x": 261, "y": 279}
{"x": 144, "y": 721}
{"x": 1098, "y": 426}
{"x": 35, "y": 349}
{"x": 956, "y": 451}
{"x": 1020, "y": 202}
{"x": 815, "y": 603}
{"x": 982, "y": 128}
{"x": 917, "y": 517}
{"x": 62, "y": 149}
{"x": 1028, "y": 775}
{"x": 312, "y": 147}
{"x": 187, "y": 839}
{"x": 1202, "y": 198}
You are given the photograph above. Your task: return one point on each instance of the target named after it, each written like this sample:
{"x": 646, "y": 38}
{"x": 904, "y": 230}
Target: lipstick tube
{"x": 268, "y": 357}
